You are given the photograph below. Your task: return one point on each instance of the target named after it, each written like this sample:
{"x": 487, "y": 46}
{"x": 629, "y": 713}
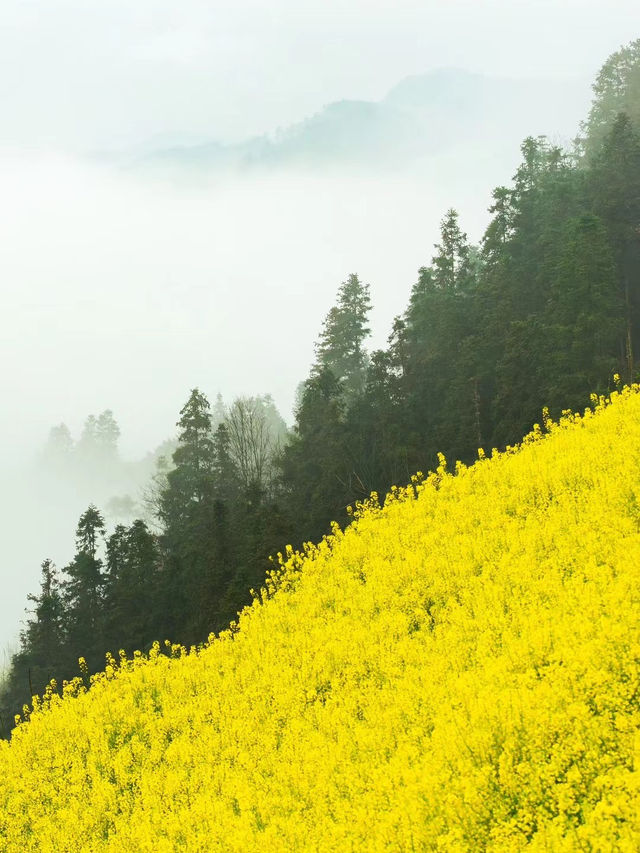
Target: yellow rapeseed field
{"x": 458, "y": 671}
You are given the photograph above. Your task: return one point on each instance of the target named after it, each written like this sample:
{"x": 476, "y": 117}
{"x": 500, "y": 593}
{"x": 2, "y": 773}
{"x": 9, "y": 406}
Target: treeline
{"x": 76, "y": 471}
{"x": 543, "y": 312}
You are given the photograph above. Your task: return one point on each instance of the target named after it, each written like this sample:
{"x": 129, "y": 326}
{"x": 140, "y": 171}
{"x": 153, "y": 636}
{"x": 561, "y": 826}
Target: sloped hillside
{"x": 420, "y": 117}
{"x": 458, "y": 671}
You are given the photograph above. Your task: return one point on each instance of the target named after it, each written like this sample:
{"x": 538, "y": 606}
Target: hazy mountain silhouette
{"x": 422, "y": 116}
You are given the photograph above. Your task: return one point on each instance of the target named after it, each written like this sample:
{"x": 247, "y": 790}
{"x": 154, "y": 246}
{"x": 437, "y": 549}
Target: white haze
{"x": 126, "y": 293}
{"x": 79, "y": 74}
{"x": 123, "y": 291}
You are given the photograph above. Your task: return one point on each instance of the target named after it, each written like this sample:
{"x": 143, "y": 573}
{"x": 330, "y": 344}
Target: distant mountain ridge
{"x": 421, "y": 116}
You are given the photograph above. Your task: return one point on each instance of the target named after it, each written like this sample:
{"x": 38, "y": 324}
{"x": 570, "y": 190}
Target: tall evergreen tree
{"x": 438, "y": 378}
{"x": 58, "y": 452}
{"x": 315, "y": 472}
{"x": 614, "y": 187}
{"x": 132, "y": 571}
{"x": 451, "y": 265}
{"x": 107, "y": 433}
{"x": 586, "y": 304}
{"x": 187, "y": 512}
{"x": 345, "y": 330}
{"x": 83, "y": 590}
{"x": 40, "y": 657}
{"x": 616, "y": 90}
{"x": 226, "y": 476}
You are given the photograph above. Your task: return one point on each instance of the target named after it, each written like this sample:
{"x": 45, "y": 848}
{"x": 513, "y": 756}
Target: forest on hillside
{"x": 543, "y": 312}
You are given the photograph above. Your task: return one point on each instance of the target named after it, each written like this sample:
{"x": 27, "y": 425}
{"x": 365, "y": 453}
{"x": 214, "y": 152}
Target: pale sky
{"x": 77, "y": 74}
{"x": 123, "y": 292}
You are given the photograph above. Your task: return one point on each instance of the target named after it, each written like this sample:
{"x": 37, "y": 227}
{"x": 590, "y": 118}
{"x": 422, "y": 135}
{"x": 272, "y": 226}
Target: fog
{"x": 130, "y": 274}
{"x": 124, "y": 292}
{"x": 80, "y": 74}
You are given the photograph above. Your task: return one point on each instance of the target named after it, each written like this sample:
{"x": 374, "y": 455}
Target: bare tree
{"x": 257, "y": 433}
{"x": 152, "y": 495}
{"x": 251, "y": 441}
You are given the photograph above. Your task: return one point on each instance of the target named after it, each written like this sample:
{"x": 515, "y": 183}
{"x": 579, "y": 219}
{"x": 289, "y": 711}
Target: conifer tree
{"x": 190, "y": 482}
{"x": 107, "y": 433}
{"x": 58, "y": 451}
{"x": 83, "y": 590}
{"x": 315, "y": 472}
{"x": 451, "y": 265}
{"x": 186, "y": 510}
{"x": 225, "y": 471}
{"x": 132, "y": 568}
{"x": 344, "y": 332}
{"x": 616, "y": 90}
{"x": 614, "y": 186}
{"x": 438, "y": 379}
{"x": 42, "y": 642}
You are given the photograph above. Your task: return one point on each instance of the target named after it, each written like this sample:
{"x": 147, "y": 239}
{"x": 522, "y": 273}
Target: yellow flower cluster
{"x": 457, "y": 671}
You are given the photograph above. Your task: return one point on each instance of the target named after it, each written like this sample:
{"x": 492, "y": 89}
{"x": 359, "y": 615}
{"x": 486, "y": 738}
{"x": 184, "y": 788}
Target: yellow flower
{"x": 456, "y": 671}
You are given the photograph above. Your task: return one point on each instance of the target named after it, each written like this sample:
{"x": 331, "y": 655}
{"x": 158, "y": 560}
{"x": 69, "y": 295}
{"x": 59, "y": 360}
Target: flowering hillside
{"x": 458, "y": 671}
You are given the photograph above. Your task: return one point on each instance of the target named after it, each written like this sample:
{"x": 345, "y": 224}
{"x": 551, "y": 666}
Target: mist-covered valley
{"x": 132, "y": 278}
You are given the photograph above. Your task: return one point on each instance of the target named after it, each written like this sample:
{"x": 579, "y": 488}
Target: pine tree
{"x": 186, "y": 508}
{"x": 451, "y": 268}
{"x": 225, "y": 471}
{"x": 218, "y": 412}
{"x": 107, "y": 433}
{"x": 344, "y": 332}
{"x": 96, "y": 453}
{"x": 315, "y": 471}
{"x": 57, "y": 454}
{"x": 616, "y": 90}
{"x": 227, "y": 521}
{"x": 375, "y": 430}
{"x": 41, "y": 654}
{"x": 132, "y": 568}
{"x": 190, "y": 481}
{"x": 83, "y": 591}
{"x": 614, "y": 186}
{"x": 438, "y": 379}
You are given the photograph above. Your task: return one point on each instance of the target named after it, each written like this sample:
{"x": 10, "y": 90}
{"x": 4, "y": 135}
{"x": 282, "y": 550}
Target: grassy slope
{"x": 455, "y": 672}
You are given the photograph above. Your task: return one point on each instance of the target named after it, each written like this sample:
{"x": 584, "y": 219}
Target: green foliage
{"x": 83, "y": 587}
{"x": 133, "y": 563}
{"x": 341, "y": 345}
{"x": 315, "y": 465}
{"x": 616, "y": 91}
